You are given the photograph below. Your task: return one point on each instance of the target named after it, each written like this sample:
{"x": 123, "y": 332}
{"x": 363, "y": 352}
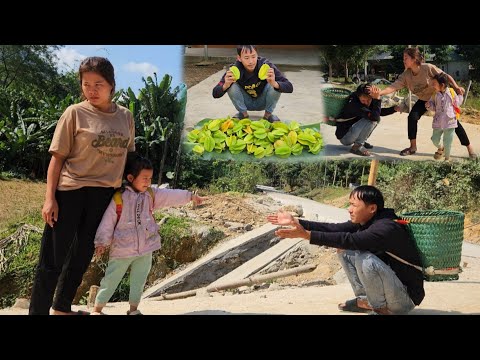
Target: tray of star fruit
{"x": 246, "y": 139}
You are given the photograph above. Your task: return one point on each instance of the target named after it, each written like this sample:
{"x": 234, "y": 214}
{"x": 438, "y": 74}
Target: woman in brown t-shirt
{"x": 418, "y": 77}
{"x": 88, "y": 149}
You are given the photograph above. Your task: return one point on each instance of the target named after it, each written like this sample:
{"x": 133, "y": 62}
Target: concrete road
{"x": 390, "y": 137}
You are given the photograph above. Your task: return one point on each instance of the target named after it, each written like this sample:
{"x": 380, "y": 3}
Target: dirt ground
{"x": 471, "y": 116}
{"x": 221, "y": 210}
{"x": 193, "y": 73}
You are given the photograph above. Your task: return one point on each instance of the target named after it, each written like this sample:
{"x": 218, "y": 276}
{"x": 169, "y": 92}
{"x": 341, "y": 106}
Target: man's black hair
{"x": 248, "y": 48}
{"x": 363, "y": 89}
{"x": 369, "y": 195}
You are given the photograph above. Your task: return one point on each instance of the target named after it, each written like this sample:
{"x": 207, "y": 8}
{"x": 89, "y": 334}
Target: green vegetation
{"x": 18, "y": 272}
{"x": 33, "y": 96}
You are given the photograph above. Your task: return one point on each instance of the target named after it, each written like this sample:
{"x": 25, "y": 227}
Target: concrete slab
{"x": 313, "y": 210}
{"x": 258, "y": 262}
{"x": 223, "y": 248}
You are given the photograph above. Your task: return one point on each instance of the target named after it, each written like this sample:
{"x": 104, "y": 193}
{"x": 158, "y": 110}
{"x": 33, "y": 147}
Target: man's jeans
{"x": 243, "y": 102}
{"x": 374, "y": 280}
{"x": 359, "y": 132}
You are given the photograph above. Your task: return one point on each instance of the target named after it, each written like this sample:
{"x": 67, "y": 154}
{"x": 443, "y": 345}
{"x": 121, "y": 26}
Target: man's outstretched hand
{"x": 286, "y": 219}
{"x": 281, "y": 218}
{"x": 297, "y": 231}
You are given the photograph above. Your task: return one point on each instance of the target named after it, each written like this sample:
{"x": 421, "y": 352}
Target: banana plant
{"x": 152, "y": 133}
{"x": 166, "y": 132}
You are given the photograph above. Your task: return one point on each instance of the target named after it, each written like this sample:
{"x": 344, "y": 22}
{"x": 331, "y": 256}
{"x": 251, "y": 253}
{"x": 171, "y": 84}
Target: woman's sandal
{"x": 407, "y": 151}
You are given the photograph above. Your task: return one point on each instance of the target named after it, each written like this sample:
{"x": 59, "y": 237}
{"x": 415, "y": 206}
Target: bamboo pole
{"x": 92, "y": 294}
{"x": 180, "y": 295}
{"x": 466, "y": 93}
{"x": 372, "y": 177}
{"x": 261, "y": 278}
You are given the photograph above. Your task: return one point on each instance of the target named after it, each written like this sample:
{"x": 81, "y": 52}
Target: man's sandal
{"x": 360, "y": 151}
{"x": 352, "y": 306}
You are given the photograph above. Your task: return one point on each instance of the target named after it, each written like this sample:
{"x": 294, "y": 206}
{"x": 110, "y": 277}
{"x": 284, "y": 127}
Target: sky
{"x": 131, "y": 62}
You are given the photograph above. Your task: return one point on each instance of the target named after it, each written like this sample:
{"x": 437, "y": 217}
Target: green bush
{"x": 17, "y": 279}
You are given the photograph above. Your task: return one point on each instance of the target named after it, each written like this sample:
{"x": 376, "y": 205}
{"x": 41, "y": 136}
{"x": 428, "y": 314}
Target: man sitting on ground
{"x": 377, "y": 249}
{"x": 359, "y": 117}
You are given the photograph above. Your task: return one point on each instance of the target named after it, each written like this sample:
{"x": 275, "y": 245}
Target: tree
{"x": 442, "y": 53}
{"x": 159, "y": 113}
{"x": 345, "y": 55}
{"x": 395, "y": 65}
{"x": 360, "y": 54}
{"x": 328, "y": 53}
{"x": 28, "y": 66}
{"x": 471, "y": 53}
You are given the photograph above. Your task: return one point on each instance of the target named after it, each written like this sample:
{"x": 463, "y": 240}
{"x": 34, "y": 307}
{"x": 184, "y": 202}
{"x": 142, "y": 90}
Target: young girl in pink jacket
{"x": 131, "y": 233}
{"x": 445, "y": 104}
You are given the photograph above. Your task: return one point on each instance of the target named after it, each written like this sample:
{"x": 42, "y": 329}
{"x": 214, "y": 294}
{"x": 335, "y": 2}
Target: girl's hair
{"x": 248, "y": 48}
{"x": 415, "y": 54}
{"x": 100, "y": 66}
{"x": 442, "y": 79}
{"x": 135, "y": 164}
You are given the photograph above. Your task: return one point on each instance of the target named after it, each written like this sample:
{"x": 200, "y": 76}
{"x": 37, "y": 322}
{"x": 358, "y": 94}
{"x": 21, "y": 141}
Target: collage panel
{"x": 221, "y": 215}
{"x": 436, "y": 229}
{"x": 393, "y": 122}
{"x": 262, "y": 105}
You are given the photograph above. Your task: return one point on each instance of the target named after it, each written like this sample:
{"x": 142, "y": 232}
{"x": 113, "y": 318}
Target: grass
{"x": 472, "y": 102}
{"x": 20, "y": 201}
{"x": 328, "y": 194}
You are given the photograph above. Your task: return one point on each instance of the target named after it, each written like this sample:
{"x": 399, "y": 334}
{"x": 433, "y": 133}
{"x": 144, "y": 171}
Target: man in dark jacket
{"x": 359, "y": 117}
{"x": 381, "y": 282}
{"x": 249, "y": 92}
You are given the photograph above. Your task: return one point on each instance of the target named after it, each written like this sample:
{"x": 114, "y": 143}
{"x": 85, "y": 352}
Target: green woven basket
{"x": 439, "y": 236}
{"x": 334, "y": 100}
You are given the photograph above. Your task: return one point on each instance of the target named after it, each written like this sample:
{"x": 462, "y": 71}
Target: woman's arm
{"x": 387, "y": 90}
{"x": 50, "y": 207}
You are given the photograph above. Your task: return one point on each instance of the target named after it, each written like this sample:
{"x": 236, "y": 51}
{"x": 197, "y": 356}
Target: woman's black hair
{"x": 369, "y": 195}
{"x": 135, "y": 164}
{"x": 99, "y": 65}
